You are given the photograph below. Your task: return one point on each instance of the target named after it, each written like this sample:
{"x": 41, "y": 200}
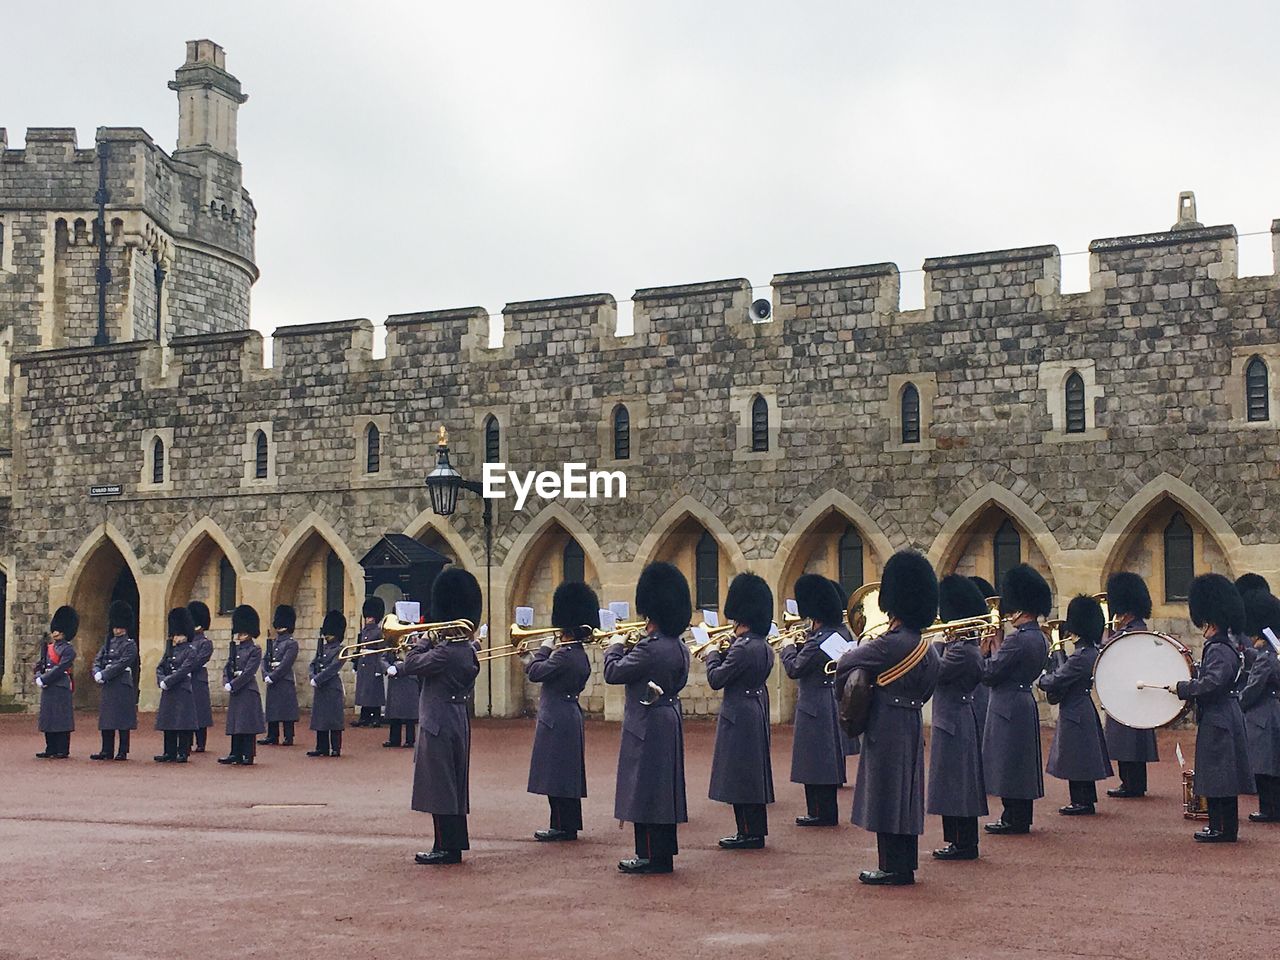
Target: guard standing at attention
{"x": 113, "y": 671}
{"x": 328, "y": 701}
{"x": 202, "y": 653}
{"x": 1129, "y": 603}
{"x": 371, "y": 693}
{"x": 402, "y": 689}
{"x": 277, "y": 674}
{"x": 53, "y": 677}
{"x": 176, "y": 716}
{"x": 245, "y": 719}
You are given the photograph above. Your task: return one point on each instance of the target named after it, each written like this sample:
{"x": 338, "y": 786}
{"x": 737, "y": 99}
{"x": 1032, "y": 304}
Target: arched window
{"x": 373, "y": 449}
{"x": 260, "y": 455}
{"x": 1006, "y": 548}
{"x": 1257, "y": 403}
{"x": 849, "y": 559}
{"x": 621, "y": 433}
{"x": 759, "y": 424}
{"x": 706, "y": 575}
{"x": 1179, "y": 558}
{"x": 492, "y": 440}
{"x": 1075, "y": 403}
{"x": 335, "y": 592}
{"x": 910, "y": 414}
{"x": 573, "y": 563}
{"x": 226, "y": 586}
{"x": 157, "y": 461}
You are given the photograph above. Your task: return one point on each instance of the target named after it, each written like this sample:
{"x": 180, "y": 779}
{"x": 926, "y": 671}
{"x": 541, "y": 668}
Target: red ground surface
{"x": 139, "y": 860}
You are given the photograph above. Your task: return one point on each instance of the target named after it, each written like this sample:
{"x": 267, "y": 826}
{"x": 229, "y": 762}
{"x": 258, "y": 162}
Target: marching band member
{"x": 277, "y": 674}
{"x": 1129, "y": 603}
{"x": 981, "y": 695}
{"x": 245, "y": 717}
{"x": 888, "y": 796}
{"x": 741, "y": 771}
{"x": 650, "y": 789}
{"x": 442, "y": 757}
{"x": 328, "y": 702}
{"x": 402, "y": 689}
{"x": 1222, "y": 751}
{"x": 1079, "y": 751}
{"x": 1260, "y": 701}
{"x": 557, "y": 765}
{"x": 202, "y": 653}
{"x": 113, "y": 671}
{"x": 371, "y": 692}
{"x": 957, "y": 789}
{"x": 176, "y": 716}
{"x": 53, "y": 677}
{"x": 849, "y": 746}
{"x": 1249, "y": 582}
{"x": 1011, "y": 744}
{"x": 817, "y": 757}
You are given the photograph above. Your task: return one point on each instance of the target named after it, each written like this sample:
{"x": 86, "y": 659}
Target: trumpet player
{"x": 817, "y": 757}
{"x": 849, "y": 746}
{"x": 981, "y": 694}
{"x": 245, "y": 717}
{"x": 1260, "y": 702}
{"x": 741, "y": 772}
{"x": 277, "y": 674}
{"x": 558, "y": 765}
{"x": 328, "y": 705}
{"x": 1129, "y": 603}
{"x": 202, "y": 651}
{"x": 113, "y": 671}
{"x": 441, "y": 759}
{"x": 650, "y": 789}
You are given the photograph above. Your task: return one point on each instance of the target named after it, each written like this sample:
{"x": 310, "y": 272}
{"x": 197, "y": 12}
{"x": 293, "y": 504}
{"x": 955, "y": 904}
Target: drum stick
{"x": 1143, "y": 685}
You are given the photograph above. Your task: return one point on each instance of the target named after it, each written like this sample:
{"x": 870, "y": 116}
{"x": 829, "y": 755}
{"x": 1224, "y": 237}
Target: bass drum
{"x": 1129, "y": 675}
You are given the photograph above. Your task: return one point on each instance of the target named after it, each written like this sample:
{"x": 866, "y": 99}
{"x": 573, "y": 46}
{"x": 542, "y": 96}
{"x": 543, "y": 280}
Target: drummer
{"x": 1130, "y": 604}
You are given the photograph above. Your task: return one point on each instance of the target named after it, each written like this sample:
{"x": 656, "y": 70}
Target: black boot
{"x": 108, "y": 746}
{"x": 272, "y": 739}
{"x": 123, "y": 752}
{"x": 322, "y": 745}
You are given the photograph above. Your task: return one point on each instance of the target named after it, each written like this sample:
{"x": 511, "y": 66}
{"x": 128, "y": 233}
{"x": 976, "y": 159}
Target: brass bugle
{"x": 795, "y": 633}
{"x": 717, "y": 637}
{"x": 397, "y": 634}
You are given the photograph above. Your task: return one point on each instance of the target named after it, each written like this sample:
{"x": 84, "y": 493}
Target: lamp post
{"x": 443, "y": 483}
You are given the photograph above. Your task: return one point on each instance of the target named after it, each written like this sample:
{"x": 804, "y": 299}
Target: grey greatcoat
{"x": 442, "y": 755}
{"x": 1222, "y": 750}
{"x": 328, "y": 702}
{"x": 402, "y": 691}
{"x": 370, "y": 685}
{"x": 817, "y": 756}
{"x": 177, "y": 709}
{"x": 981, "y": 702}
{"x": 650, "y": 786}
{"x": 1079, "y": 750}
{"x": 282, "y": 694}
{"x": 957, "y": 787}
{"x": 1011, "y": 744}
{"x": 849, "y": 746}
{"x": 57, "y": 712}
{"x": 558, "y": 766}
{"x": 888, "y": 796}
{"x": 118, "y": 709}
{"x": 244, "y": 705}
{"x": 1261, "y": 706}
{"x": 202, "y": 652}
{"x": 1125, "y": 744}
{"x": 741, "y": 771}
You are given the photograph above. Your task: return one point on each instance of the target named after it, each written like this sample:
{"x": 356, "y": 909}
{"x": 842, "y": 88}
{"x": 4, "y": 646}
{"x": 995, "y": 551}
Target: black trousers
{"x": 820, "y": 799}
{"x": 243, "y": 745}
{"x": 177, "y": 743}
{"x": 753, "y": 819}
{"x": 899, "y": 852}
{"x": 202, "y": 738}
{"x": 657, "y": 842}
{"x": 1268, "y": 794}
{"x": 1085, "y": 791}
{"x": 410, "y": 732}
{"x": 961, "y": 831}
{"x": 566, "y": 813}
{"x": 273, "y": 731}
{"x": 1224, "y": 815}
{"x": 329, "y": 741}
{"x": 57, "y": 743}
{"x": 1133, "y": 775}
{"x": 371, "y": 716}
{"x": 451, "y": 831}
{"x": 1017, "y": 813}
{"x": 109, "y": 742}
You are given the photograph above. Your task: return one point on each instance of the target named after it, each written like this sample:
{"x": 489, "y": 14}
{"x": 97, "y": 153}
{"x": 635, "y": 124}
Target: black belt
{"x": 828, "y": 683}
{"x": 1022, "y": 686}
{"x": 457, "y": 698}
{"x": 966, "y": 698}
{"x": 905, "y": 703}
{"x": 665, "y": 700}
{"x": 569, "y": 696}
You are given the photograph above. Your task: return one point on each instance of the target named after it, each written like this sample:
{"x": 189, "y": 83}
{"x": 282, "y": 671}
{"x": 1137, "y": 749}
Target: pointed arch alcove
{"x": 103, "y": 571}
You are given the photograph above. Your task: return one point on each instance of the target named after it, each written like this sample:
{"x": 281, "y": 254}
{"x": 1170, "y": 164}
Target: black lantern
{"x": 444, "y": 482}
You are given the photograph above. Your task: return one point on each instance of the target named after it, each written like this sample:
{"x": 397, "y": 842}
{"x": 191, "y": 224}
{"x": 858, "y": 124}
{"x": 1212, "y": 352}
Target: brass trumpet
{"x": 794, "y": 633}
{"x": 719, "y": 637}
{"x": 397, "y": 634}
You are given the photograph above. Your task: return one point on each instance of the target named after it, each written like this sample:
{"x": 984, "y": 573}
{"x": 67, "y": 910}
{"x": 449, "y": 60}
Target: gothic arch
{"x": 547, "y": 518}
{"x": 61, "y": 589}
{"x": 315, "y": 525}
{"x": 690, "y": 507}
{"x": 427, "y": 522}
{"x": 949, "y": 539}
{"x": 832, "y": 501}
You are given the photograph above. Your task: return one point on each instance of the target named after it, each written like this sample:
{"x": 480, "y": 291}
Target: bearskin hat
{"x": 199, "y": 611}
{"x": 1128, "y": 593}
{"x": 841, "y": 595}
{"x": 909, "y": 589}
{"x": 750, "y": 601}
{"x": 335, "y": 624}
{"x": 1261, "y": 610}
{"x": 575, "y": 605}
{"x": 285, "y": 618}
{"x": 984, "y": 587}
{"x": 818, "y": 600}
{"x": 959, "y": 599}
{"x": 373, "y": 607}
{"x": 662, "y": 595}
{"x": 181, "y": 624}
{"x": 65, "y": 621}
{"x": 1214, "y": 599}
{"x": 1252, "y": 581}
{"x": 1025, "y": 591}
{"x": 120, "y": 616}
{"x": 244, "y": 619}
{"x": 1085, "y": 619}
{"x": 456, "y": 596}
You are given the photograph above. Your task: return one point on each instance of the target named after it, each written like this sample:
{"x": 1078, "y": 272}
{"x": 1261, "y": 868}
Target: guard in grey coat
{"x": 1223, "y": 770}
{"x": 1079, "y": 751}
{"x": 957, "y": 790}
{"x": 328, "y": 699}
{"x": 245, "y": 718}
{"x": 113, "y": 671}
{"x": 442, "y": 758}
{"x": 849, "y": 746}
{"x": 176, "y": 716}
{"x": 371, "y": 692}
{"x": 817, "y": 757}
{"x": 650, "y": 788}
{"x": 741, "y": 769}
{"x": 277, "y": 676}
{"x": 402, "y": 690}
{"x": 1260, "y": 702}
{"x": 53, "y": 678}
{"x": 888, "y": 796}
{"x": 1011, "y": 744}
{"x": 1129, "y": 603}
{"x": 981, "y": 694}
{"x": 202, "y": 653}
{"x": 558, "y": 765}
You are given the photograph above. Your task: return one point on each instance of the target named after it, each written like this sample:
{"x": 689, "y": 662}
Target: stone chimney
{"x": 208, "y": 100}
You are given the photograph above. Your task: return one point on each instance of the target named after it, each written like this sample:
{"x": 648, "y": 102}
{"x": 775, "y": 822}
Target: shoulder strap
{"x": 904, "y": 666}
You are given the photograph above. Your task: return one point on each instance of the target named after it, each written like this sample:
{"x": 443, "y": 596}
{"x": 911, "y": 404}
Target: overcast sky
{"x": 410, "y": 156}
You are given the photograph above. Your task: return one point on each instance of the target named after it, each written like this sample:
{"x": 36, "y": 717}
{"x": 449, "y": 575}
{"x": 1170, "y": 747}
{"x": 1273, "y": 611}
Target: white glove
{"x": 392, "y": 670}
{"x": 226, "y": 687}
{"x": 98, "y": 677}
{"x": 313, "y": 681}
{"x": 164, "y": 684}
{"x": 39, "y": 682}
{"x": 549, "y": 643}
{"x": 268, "y": 680}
